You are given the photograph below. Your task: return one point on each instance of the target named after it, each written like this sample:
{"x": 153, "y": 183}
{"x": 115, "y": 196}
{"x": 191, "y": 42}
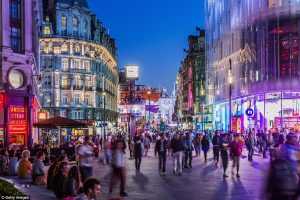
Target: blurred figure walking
{"x": 118, "y": 168}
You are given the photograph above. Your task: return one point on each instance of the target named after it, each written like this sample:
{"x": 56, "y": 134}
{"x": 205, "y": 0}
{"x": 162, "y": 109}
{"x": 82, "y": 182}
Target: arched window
{"x": 75, "y": 23}
{"x": 63, "y": 25}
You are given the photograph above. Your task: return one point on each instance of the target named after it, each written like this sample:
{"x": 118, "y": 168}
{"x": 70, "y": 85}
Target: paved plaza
{"x": 203, "y": 181}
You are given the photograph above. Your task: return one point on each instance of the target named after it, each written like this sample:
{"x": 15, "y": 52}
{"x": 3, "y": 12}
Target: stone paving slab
{"x": 203, "y": 181}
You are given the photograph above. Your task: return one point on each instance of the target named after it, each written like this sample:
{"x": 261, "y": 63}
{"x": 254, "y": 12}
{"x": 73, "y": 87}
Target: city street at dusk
{"x": 150, "y": 100}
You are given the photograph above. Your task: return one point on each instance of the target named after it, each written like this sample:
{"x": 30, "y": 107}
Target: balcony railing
{"x": 77, "y": 87}
{"x": 76, "y": 70}
{"x": 65, "y": 87}
{"x": 88, "y": 88}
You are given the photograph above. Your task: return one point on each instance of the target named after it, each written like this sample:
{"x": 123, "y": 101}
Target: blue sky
{"x": 151, "y": 33}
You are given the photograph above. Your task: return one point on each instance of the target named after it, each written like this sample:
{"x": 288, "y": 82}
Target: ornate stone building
{"x": 78, "y": 65}
{"x": 190, "y": 83}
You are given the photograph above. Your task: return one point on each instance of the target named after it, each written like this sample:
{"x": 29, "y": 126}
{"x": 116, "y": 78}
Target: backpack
{"x": 283, "y": 178}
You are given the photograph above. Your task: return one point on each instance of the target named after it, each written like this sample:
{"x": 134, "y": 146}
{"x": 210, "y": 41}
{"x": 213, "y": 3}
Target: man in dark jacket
{"x": 177, "y": 149}
{"x": 138, "y": 153}
{"x": 216, "y": 146}
{"x": 188, "y": 147}
{"x": 161, "y": 149}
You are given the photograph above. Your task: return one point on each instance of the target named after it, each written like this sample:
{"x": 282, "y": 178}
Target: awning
{"x": 59, "y": 121}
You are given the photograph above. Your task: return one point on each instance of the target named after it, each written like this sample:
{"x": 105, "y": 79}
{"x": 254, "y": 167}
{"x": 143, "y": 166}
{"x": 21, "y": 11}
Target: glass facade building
{"x": 261, "y": 38}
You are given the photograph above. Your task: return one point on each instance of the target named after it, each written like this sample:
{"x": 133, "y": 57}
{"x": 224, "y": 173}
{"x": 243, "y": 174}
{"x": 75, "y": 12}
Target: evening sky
{"x": 151, "y": 33}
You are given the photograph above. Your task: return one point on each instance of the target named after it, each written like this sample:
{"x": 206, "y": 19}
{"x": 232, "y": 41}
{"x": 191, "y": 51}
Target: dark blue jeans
{"x": 162, "y": 161}
{"x": 250, "y": 153}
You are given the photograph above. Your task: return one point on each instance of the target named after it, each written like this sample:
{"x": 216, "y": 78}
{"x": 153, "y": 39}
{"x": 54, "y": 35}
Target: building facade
{"x": 18, "y": 67}
{"x": 191, "y": 83}
{"x": 78, "y": 66}
{"x": 253, "y": 63}
{"x": 161, "y": 110}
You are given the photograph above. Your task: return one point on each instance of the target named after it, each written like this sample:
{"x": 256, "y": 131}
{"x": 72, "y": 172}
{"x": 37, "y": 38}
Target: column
{"x": 5, "y": 26}
{"x": 27, "y": 25}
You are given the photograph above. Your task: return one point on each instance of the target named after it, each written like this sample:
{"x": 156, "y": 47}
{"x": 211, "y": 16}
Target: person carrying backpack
{"x": 250, "y": 143}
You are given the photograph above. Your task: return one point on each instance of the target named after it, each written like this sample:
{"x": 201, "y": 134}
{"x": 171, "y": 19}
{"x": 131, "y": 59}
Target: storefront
{"x": 260, "y": 111}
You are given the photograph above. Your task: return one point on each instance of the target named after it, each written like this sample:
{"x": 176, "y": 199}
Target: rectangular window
{"x": 87, "y": 99}
{"x": 64, "y": 99}
{"x": 47, "y": 30}
{"x": 64, "y": 64}
{"x": 77, "y": 64}
{"x": 77, "y": 98}
{"x": 15, "y": 26}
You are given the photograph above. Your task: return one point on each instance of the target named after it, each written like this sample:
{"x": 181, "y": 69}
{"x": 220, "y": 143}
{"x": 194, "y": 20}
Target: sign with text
{"x": 17, "y": 120}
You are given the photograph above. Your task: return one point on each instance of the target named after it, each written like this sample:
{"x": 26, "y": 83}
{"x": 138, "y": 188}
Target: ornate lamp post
{"x": 149, "y": 92}
{"x": 230, "y": 81}
{"x": 202, "y": 93}
{"x": 104, "y": 109}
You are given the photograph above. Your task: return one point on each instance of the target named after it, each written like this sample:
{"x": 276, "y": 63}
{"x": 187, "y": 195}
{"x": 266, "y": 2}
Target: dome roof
{"x": 81, "y": 3}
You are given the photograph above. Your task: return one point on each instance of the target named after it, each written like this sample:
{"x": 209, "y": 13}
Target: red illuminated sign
{"x": 1, "y": 100}
{"x": 42, "y": 116}
{"x": 17, "y": 120}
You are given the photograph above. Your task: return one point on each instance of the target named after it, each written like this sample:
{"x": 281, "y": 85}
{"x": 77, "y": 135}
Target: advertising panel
{"x": 17, "y": 124}
{"x": 132, "y": 72}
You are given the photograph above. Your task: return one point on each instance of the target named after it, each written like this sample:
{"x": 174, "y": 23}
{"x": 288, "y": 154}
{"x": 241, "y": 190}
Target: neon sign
{"x": 1, "y": 100}
{"x": 17, "y": 120}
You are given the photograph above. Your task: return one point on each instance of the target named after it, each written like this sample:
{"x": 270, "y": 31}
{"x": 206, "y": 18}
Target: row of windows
{"x": 75, "y": 26}
{"x": 15, "y": 26}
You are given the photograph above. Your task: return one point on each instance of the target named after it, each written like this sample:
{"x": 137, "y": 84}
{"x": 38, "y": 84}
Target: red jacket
{"x": 236, "y": 148}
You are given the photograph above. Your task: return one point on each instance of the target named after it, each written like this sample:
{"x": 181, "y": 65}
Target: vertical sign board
{"x": 17, "y": 124}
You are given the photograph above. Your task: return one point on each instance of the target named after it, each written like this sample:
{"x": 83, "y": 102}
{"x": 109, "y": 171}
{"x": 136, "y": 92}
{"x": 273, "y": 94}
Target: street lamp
{"x": 230, "y": 81}
{"x": 202, "y": 92}
{"x": 149, "y": 92}
{"x": 104, "y": 116}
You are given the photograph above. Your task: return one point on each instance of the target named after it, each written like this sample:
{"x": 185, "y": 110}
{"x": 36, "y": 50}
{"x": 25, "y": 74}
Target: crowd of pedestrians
{"x": 77, "y": 180}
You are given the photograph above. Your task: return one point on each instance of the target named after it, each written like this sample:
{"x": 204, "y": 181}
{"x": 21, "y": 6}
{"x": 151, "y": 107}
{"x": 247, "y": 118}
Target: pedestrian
{"x": 3, "y": 161}
{"x": 54, "y": 168}
{"x": 25, "y": 166}
{"x": 197, "y": 144}
{"x": 236, "y": 151}
{"x": 224, "y": 145}
{"x": 86, "y": 157}
{"x": 138, "y": 153}
{"x": 205, "y": 146}
{"x": 38, "y": 170}
{"x": 216, "y": 146}
{"x": 106, "y": 151}
{"x": 72, "y": 183}
{"x": 161, "y": 149}
{"x": 13, "y": 164}
{"x": 146, "y": 145}
{"x": 59, "y": 177}
{"x": 131, "y": 147}
{"x": 91, "y": 190}
{"x": 118, "y": 168}
{"x": 177, "y": 149}
{"x": 188, "y": 148}
{"x": 250, "y": 144}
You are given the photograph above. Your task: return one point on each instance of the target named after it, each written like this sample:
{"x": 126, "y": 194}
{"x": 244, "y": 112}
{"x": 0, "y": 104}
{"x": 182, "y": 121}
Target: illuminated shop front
{"x": 253, "y": 60}
{"x": 260, "y": 111}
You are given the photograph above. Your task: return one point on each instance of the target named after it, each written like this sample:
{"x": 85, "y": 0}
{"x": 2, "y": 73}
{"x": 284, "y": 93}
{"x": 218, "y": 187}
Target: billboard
{"x": 132, "y": 72}
{"x": 132, "y": 110}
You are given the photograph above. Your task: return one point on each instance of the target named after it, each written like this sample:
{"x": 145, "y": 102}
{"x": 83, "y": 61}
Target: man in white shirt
{"x": 86, "y": 157}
